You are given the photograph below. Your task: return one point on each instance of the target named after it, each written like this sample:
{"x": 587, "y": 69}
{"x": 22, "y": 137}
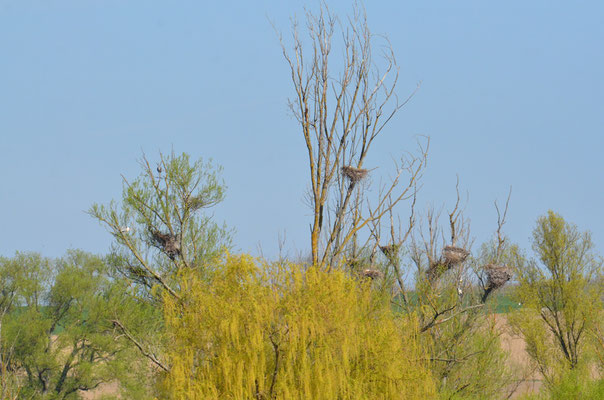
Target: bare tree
{"x": 495, "y": 271}
{"x": 340, "y": 116}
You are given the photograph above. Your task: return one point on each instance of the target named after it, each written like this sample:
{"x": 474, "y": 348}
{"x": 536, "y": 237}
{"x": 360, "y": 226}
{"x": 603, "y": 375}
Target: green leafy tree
{"x": 160, "y": 229}
{"x": 59, "y": 327}
{"x": 562, "y": 298}
{"x": 9, "y": 278}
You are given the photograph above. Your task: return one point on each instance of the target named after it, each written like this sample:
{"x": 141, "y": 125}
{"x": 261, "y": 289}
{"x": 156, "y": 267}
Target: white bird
{"x": 124, "y": 229}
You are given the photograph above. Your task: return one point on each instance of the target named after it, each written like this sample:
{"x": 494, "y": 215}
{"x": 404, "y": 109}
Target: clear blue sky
{"x": 512, "y": 95}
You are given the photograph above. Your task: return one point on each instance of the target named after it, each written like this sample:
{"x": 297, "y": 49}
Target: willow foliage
{"x": 278, "y": 331}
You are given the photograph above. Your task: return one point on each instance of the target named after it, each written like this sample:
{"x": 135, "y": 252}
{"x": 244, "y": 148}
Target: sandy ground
{"x": 516, "y": 348}
{"x": 105, "y": 389}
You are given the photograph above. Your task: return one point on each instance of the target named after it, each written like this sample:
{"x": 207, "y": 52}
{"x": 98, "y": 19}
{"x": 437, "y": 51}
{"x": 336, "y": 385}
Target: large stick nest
{"x": 436, "y": 269}
{"x": 497, "y": 275}
{"x": 354, "y": 174}
{"x": 390, "y": 250}
{"x": 196, "y": 202}
{"x": 169, "y": 243}
{"x": 451, "y": 256}
{"x": 371, "y": 273}
{"x": 454, "y": 255}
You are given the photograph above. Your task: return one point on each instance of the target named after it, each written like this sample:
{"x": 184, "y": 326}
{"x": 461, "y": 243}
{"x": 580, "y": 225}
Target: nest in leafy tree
{"x": 436, "y": 269}
{"x": 454, "y": 255}
{"x": 167, "y": 242}
{"x": 390, "y": 250}
{"x": 354, "y": 174}
{"x": 356, "y": 264}
{"x": 139, "y": 273}
{"x": 371, "y": 273}
{"x": 195, "y": 203}
{"x": 497, "y": 275}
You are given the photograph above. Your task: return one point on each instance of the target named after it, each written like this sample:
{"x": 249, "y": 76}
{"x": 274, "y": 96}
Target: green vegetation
{"x": 257, "y": 330}
{"x": 505, "y": 302}
{"x": 161, "y": 229}
{"x": 383, "y": 309}
{"x": 574, "y": 385}
{"x": 562, "y": 302}
{"x": 191, "y": 320}
{"x": 57, "y": 335}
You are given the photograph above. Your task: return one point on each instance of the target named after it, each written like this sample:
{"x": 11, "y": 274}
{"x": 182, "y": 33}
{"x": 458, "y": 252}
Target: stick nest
{"x": 451, "y": 256}
{"x": 454, "y": 255}
{"x": 497, "y": 275}
{"x": 354, "y": 174}
{"x": 390, "y": 250}
{"x": 371, "y": 273}
{"x": 169, "y": 243}
{"x": 196, "y": 202}
{"x": 436, "y": 269}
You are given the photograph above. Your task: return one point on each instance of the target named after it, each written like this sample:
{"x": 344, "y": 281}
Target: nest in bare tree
{"x": 454, "y": 255}
{"x": 372, "y": 273}
{"x": 390, "y": 250}
{"x": 354, "y": 174}
{"x": 167, "y": 242}
{"x": 497, "y": 275}
{"x": 451, "y": 256}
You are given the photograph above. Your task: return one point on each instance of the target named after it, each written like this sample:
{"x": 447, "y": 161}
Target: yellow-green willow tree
{"x": 258, "y": 331}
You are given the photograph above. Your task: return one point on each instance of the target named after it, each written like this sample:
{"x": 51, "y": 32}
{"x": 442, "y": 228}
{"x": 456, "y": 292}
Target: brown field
{"x": 105, "y": 389}
{"x": 516, "y": 348}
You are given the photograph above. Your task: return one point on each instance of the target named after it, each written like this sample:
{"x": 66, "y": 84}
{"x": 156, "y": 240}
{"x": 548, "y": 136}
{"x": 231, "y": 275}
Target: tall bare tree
{"x": 343, "y": 100}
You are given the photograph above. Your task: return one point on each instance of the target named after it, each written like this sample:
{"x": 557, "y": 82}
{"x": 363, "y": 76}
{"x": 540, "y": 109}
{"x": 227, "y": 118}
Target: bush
{"x": 574, "y": 385}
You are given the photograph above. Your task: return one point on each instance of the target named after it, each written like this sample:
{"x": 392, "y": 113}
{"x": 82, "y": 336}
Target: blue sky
{"x": 512, "y": 94}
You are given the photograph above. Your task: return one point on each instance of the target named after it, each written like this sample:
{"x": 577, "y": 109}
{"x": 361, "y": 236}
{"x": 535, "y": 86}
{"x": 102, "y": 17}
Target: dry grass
{"x": 102, "y": 391}
{"x": 519, "y": 358}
